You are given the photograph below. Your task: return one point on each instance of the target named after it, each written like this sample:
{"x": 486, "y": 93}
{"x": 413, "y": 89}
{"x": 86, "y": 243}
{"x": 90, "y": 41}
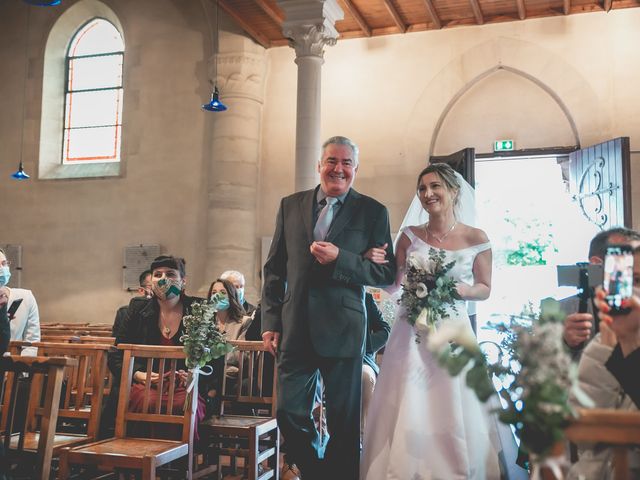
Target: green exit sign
{"x": 503, "y": 145}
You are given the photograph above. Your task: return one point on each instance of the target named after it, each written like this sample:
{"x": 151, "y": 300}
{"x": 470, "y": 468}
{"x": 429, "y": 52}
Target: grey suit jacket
{"x": 322, "y": 306}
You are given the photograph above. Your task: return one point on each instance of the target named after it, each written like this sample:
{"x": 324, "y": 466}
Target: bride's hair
{"x": 446, "y": 173}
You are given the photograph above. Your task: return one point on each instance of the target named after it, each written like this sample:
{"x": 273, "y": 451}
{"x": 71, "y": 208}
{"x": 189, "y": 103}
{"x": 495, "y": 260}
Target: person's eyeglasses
{"x": 6, "y": 263}
{"x": 332, "y": 162}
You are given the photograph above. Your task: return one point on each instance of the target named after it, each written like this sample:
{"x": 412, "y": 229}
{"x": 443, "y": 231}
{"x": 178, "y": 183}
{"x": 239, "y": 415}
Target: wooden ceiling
{"x": 262, "y": 19}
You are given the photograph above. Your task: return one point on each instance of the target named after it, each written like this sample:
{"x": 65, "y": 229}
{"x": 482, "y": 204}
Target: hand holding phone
{"x": 618, "y": 278}
{"x": 13, "y": 308}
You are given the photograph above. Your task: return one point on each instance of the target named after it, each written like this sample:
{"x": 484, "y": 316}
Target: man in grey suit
{"x": 313, "y": 310}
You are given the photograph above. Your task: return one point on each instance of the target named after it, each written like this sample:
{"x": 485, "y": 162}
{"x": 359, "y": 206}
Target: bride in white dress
{"x": 422, "y": 423}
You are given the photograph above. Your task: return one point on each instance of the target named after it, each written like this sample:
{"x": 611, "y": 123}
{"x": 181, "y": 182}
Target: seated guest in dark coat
{"x": 108, "y": 415}
{"x": 144, "y": 290}
{"x": 158, "y": 321}
{"x": 378, "y": 330}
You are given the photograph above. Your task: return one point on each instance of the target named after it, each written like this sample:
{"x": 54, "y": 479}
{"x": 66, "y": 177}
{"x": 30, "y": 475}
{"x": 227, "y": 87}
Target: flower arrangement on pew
{"x": 537, "y": 379}
{"x": 202, "y": 340}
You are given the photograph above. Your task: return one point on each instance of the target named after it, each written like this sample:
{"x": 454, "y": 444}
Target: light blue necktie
{"x": 324, "y": 219}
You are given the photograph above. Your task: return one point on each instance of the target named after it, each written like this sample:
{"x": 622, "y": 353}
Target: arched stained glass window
{"x": 93, "y": 94}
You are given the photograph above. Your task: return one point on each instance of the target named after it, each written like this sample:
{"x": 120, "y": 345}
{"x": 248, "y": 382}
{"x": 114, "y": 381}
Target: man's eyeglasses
{"x": 6, "y": 263}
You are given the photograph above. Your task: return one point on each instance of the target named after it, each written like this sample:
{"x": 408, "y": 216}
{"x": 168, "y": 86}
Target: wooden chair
{"x": 250, "y": 437}
{"x": 43, "y": 378}
{"x": 46, "y": 337}
{"x": 617, "y": 429}
{"x": 127, "y": 452}
{"x": 84, "y": 389}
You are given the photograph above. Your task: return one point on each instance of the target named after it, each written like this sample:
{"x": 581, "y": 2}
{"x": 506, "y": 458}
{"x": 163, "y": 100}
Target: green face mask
{"x": 166, "y": 288}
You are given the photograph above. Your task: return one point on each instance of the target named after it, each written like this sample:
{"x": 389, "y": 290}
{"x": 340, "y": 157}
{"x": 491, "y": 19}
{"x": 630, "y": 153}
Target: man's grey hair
{"x": 231, "y": 274}
{"x": 339, "y": 140}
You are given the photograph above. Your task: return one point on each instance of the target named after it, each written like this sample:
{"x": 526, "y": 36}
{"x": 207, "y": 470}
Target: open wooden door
{"x": 600, "y": 182}
{"x": 462, "y": 162}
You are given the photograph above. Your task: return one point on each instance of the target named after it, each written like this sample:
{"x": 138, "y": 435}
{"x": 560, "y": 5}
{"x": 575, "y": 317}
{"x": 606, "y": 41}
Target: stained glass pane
{"x": 100, "y": 144}
{"x": 95, "y": 72}
{"x": 97, "y": 36}
{"x": 88, "y": 109}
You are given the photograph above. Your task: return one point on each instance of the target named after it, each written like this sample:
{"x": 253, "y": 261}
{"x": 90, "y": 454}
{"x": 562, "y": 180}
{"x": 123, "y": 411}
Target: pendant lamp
{"x": 43, "y": 3}
{"x": 20, "y": 174}
{"x": 215, "y": 105}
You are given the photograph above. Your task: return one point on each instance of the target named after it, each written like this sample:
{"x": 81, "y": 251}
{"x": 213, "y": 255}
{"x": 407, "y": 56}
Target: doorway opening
{"x": 524, "y": 205}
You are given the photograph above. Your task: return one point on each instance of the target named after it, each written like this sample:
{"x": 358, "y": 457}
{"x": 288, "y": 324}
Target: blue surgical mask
{"x": 222, "y": 304}
{"x": 240, "y": 292}
{"x": 5, "y": 275}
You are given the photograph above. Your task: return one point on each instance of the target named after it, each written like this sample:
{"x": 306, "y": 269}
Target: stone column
{"x": 309, "y": 26}
{"x": 233, "y": 179}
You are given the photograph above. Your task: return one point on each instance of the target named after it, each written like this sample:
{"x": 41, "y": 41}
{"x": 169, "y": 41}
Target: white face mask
{"x": 5, "y": 275}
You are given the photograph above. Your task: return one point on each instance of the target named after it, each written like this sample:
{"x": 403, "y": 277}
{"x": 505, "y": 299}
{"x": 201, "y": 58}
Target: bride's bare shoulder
{"x": 474, "y": 236}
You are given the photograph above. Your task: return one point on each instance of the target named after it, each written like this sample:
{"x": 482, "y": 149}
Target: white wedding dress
{"x": 422, "y": 423}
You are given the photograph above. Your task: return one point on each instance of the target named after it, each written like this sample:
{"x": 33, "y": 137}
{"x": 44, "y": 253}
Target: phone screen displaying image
{"x": 618, "y": 276}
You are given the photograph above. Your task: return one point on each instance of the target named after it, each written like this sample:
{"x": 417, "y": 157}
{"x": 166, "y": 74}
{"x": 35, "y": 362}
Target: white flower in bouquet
{"x": 421, "y": 290}
{"x": 420, "y": 262}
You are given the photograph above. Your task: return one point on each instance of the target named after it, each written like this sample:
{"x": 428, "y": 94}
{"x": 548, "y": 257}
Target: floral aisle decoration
{"x": 537, "y": 380}
{"x": 203, "y": 341}
{"x": 428, "y": 293}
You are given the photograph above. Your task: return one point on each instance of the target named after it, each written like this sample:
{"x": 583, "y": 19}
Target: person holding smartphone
{"x": 606, "y": 371}
{"x": 22, "y": 310}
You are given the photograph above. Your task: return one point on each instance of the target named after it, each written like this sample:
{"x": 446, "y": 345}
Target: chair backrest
{"x": 43, "y": 378}
{"x": 170, "y": 408}
{"x": 254, "y": 385}
{"x": 97, "y": 339}
{"x": 16, "y": 346}
{"x": 46, "y": 337}
{"x": 84, "y": 384}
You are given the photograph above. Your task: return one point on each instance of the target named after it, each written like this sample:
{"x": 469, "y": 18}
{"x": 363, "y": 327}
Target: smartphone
{"x": 13, "y": 308}
{"x": 618, "y": 277}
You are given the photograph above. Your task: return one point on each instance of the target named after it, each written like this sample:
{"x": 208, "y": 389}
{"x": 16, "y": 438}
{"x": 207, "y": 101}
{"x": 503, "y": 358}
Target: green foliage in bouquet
{"x": 537, "y": 380}
{"x": 202, "y": 340}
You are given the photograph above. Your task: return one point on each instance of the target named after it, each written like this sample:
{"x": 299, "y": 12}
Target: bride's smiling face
{"x": 434, "y": 194}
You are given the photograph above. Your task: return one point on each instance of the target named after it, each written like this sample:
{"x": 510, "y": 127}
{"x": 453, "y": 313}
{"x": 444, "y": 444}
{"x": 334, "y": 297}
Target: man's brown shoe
{"x": 290, "y": 472}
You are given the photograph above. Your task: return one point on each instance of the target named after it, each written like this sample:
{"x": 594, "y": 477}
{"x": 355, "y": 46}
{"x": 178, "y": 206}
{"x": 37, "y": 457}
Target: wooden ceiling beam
{"x": 274, "y": 15}
{"x": 522, "y": 10}
{"x": 395, "y": 15}
{"x": 253, "y": 33}
{"x": 475, "y": 6}
{"x": 366, "y": 29}
{"x": 431, "y": 10}
{"x": 606, "y": 4}
{"x": 567, "y": 7}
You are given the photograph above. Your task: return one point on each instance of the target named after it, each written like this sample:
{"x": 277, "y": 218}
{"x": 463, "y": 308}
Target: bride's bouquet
{"x": 428, "y": 293}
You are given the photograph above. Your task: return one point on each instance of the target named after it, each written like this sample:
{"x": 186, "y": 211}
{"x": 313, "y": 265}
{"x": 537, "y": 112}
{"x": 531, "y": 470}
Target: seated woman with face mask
{"x": 231, "y": 318}
{"x": 158, "y": 321}
{"x": 22, "y": 310}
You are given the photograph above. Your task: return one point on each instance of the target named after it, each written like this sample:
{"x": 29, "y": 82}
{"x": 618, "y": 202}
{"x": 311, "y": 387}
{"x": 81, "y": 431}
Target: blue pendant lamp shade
{"x": 20, "y": 174}
{"x": 43, "y": 3}
{"x": 215, "y": 105}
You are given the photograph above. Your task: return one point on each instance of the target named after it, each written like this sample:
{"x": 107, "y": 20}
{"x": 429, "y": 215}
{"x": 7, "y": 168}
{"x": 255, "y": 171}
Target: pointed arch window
{"x": 93, "y": 94}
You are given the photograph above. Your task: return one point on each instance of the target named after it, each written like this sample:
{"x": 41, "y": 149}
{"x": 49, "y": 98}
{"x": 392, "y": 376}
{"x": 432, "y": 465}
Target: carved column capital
{"x": 309, "y": 40}
{"x": 310, "y": 25}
